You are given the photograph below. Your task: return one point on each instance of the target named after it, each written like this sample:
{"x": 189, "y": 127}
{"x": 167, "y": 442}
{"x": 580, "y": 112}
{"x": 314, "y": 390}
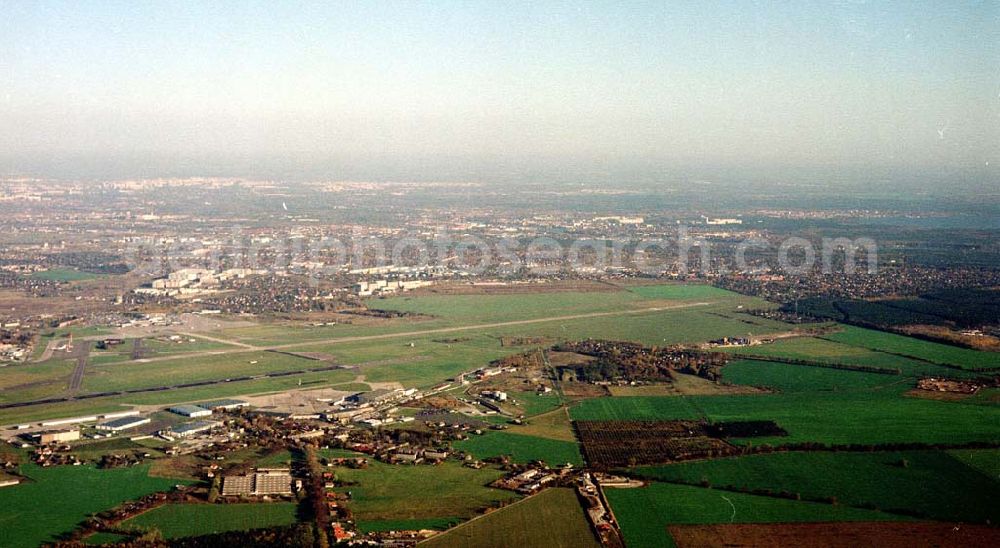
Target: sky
{"x": 485, "y": 88}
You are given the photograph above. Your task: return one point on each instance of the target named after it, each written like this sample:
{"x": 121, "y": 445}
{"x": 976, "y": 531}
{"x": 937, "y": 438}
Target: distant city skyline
{"x": 495, "y": 90}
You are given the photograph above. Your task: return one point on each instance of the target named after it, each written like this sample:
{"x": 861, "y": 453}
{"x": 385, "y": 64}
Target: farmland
{"x": 929, "y": 484}
{"x": 186, "y": 520}
{"x": 823, "y": 417}
{"x": 553, "y": 518}
{"x": 916, "y": 348}
{"x": 833, "y": 352}
{"x": 522, "y": 448}
{"x": 387, "y": 492}
{"x": 439, "y": 524}
{"x": 835, "y": 534}
{"x": 790, "y": 378}
{"x": 644, "y": 513}
{"x": 25, "y": 522}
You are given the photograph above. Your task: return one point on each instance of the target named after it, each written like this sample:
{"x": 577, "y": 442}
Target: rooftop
{"x": 225, "y": 402}
{"x": 187, "y": 409}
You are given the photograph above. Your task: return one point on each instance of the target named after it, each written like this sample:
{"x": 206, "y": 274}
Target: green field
{"x": 799, "y": 378}
{"x": 125, "y": 376}
{"x": 644, "y": 513}
{"x": 931, "y": 484}
{"x": 986, "y": 461}
{"x": 448, "y": 490}
{"x": 98, "y": 539}
{"x": 825, "y": 417}
{"x": 521, "y": 448}
{"x": 823, "y": 350}
{"x": 60, "y": 497}
{"x": 917, "y": 348}
{"x": 188, "y": 520}
{"x": 439, "y": 524}
{"x": 64, "y": 275}
{"x": 533, "y": 403}
{"x": 552, "y": 518}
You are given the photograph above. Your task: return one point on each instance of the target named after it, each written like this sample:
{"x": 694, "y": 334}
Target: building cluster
{"x": 387, "y": 287}
{"x": 262, "y": 482}
{"x": 734, "y": 341}
{"x": 194, "y": 281}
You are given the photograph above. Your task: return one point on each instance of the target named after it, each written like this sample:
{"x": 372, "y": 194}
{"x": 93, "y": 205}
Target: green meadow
{"x": 393, "y": 492}
{"x": 58, "y": 498}
{"x": 550, "y": 519}
{"x": 931, "y": 484}
{"x": 915, "y": 348}
{"x": 824, "y": 417}
{"x": 188, "y": 520}
{"x": 521, "y": 448}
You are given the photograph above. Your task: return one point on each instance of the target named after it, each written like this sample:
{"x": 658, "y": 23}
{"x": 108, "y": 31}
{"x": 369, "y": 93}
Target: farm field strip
{"x": 27, "y": 523}
{"x": 550, "y": 519}
{"x": 822, "y": 417}
{"x": 893, "y": 481}
{"x": 187, "y": 520}
{"x": 914, "y": 348}
{"x": 645, "y": 512}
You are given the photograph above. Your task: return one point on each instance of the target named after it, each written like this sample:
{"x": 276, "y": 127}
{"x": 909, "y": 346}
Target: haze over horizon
{"x": 498, "y": 91}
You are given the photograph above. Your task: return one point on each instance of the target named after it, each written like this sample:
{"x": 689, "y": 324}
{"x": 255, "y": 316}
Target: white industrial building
{"x": 123, "y": 423}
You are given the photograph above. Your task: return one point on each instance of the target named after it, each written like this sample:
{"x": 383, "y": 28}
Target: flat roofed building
{"x": 192, "y": 428}
{"x": 58, "y": 435}
{"x": 123, "y": 423}
{"x": 192, "y": 411}
{"x": 264, "y": 481}
{"x": 237, "y": 485}
{"x": 226, "y": 404}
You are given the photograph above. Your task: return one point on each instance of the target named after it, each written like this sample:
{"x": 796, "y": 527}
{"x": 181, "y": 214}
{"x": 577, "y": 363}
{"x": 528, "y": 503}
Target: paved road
{"x": 81, "y": 351}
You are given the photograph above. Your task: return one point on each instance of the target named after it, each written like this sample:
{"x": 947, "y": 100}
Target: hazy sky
{"x": 495, "y": 84}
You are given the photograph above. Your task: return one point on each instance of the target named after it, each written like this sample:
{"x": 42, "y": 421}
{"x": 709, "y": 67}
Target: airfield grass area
{"x": 417, "y": 359}
{"x": 552, "y": 518}
{"x": 132, "y": 375}
{"x": 58, "y": 498}
{"x": 927, "y": 484}
{"x": 522, "y": 448}
{"x": 447, "y": 490}
{"x": 188, "y": 520}
{"x": 645, "y": 512}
